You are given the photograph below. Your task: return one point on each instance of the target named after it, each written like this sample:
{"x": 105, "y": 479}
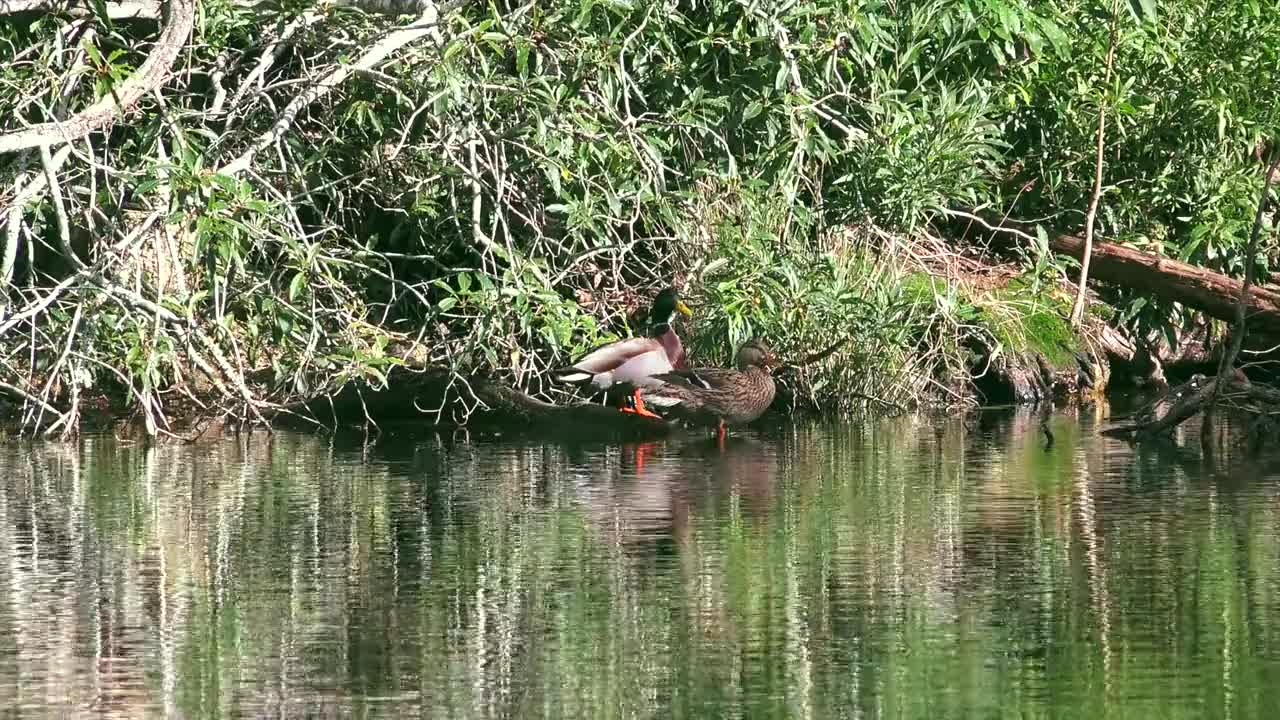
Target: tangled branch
{"x": 152, "y": 73}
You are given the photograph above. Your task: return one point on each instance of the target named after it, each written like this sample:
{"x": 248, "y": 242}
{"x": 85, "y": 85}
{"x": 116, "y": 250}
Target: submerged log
{"x": 1184, "y": 402}
{"x": 437, "y": 396}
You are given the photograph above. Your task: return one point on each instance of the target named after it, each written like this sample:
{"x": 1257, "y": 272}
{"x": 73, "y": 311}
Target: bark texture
{"x": 1214, "y": 293}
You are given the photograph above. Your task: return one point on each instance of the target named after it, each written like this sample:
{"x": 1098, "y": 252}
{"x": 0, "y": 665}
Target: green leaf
{"x": 92, "y": 50}
{"x": 522, "y": 59}
{"x": 1042, "y": 240}
{"x": 101, "y": 15}
{"x": 296, "y": 285}
{"x": 453, "y": 49}
{"x": 780, "y": 81}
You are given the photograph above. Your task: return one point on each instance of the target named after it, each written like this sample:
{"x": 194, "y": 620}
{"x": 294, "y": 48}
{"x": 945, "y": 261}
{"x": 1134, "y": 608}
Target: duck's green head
{"x": 665, "y": 304}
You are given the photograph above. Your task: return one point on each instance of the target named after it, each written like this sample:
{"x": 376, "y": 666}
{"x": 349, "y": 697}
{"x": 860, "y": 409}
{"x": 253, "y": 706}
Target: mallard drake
{"x": 718, "y": 396}
{"x": 633, "y": 360}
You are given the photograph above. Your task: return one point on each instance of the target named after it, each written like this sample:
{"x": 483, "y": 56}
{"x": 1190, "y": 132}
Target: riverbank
{"x": 918, "y": 328}
{"x": 312, "y": 199}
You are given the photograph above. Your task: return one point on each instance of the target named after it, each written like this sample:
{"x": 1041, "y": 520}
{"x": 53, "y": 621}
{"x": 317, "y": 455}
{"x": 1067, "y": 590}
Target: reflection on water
{"x": 894, "y": 569}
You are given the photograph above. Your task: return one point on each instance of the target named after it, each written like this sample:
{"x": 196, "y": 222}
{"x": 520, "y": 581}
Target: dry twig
{"x": 1077, "y": 308}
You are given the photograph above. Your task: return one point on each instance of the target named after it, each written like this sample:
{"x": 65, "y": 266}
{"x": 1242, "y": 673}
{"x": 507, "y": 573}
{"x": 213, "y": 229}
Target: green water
{"x": 902, "y": 568}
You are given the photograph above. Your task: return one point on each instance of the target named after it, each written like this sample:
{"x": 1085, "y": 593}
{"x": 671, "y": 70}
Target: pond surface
{"x": 898, "y": 568}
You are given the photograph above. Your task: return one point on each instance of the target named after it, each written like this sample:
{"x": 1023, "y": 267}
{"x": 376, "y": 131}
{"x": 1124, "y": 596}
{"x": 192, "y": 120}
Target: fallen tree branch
{"x": 153, "y": 72}
{"x": 408, "y": 391}
{"x": 1213, "y": 293}
{"x": 1185, "y": 401}
{"x": 426, "y": 25}
{"x": 28, "y": 397}
{"x": 116, "y": 9}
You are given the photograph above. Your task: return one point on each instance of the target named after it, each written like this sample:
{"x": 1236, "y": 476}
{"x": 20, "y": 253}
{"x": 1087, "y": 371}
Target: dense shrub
{"x": 500, "y": 196}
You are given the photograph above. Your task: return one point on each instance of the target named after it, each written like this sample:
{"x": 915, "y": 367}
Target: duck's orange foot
{"x": 638, "y": 407}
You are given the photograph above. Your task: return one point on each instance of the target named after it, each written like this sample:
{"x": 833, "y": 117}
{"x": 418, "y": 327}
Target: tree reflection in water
{"x": 891, "y": 568}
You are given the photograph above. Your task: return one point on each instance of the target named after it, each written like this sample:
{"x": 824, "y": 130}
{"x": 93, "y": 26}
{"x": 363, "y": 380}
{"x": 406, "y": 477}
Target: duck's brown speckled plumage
{"x": 712, "y": 396}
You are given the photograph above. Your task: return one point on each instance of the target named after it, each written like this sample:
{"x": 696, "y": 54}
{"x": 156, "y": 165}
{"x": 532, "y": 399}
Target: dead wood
{"x": 1214, "y": 293}
{"x": 153, "y": 72}
{"x": 438, "y": 396}
{"x": 1191, "y": 398}
{"x": 116, "y": 9}
{"x": 426, "y": 26}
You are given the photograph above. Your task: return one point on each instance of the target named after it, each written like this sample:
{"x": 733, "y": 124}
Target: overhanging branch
{"x": 116, "y": 10}
{"x": 426, "y": 25}
{"x": 152, "y": 73}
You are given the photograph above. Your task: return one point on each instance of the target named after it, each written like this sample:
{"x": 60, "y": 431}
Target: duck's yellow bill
{"x": 684, "y": 308}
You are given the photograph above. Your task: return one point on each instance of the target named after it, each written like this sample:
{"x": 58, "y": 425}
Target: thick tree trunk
{"x": 1211, "y": 292}
{"x": 1214, "y": 293}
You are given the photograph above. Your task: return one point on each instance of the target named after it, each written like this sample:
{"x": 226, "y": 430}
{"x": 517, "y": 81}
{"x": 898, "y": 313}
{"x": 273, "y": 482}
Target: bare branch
{"x": 28, "y": 397}
{"x": 426, "y": 25}
{"x": 1077, "y": 308}
{"x": 59, "y": 208}
{"x": 992, "y": 228}
{"x": 1227, "y": 363}
{"x": 24, "y": 193}
{"x": 391, "y": 7}
{"x": 271, "y": 54}
{"x": 116, "y": 10}
{"x": 153, "y": 72}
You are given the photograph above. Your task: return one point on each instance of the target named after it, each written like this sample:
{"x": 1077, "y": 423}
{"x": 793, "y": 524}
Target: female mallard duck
{"x": 718, "y": 396}
{"x": 633, "y": 360}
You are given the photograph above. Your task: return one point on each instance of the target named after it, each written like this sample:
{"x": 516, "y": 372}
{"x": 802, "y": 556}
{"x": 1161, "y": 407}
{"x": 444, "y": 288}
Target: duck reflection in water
{"x": 657, "y": 506}
{"x": 647, "y": 503}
